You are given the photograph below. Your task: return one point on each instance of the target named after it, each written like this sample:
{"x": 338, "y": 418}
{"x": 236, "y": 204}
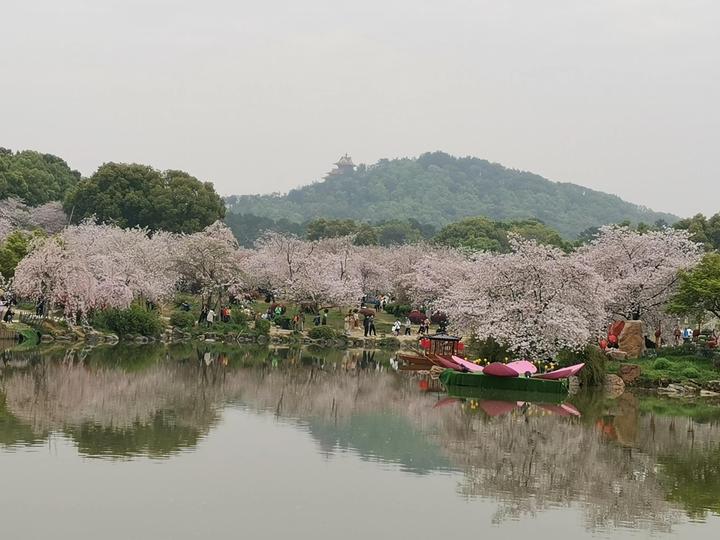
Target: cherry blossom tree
{"x": 6, "y": 227}
{"x": 90, "y": 266}
{"x": 315, "y": 272}
{"x": 640, "y": 270}
{"x": 535, "y": 300}
{"x": 210, "y": 262}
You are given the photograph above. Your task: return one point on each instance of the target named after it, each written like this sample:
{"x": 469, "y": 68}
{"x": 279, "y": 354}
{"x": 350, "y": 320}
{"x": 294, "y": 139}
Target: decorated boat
{"x": 458, "y": 383}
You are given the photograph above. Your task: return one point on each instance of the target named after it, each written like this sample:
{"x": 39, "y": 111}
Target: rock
{"x": 709, "y": 393}
{"x": 141, "y": 339}
{"x": 616, "y": 354}
{"x": 629, "y": 373}
{"x": 112, "y": 338}
{"x": 679, "y": 390}
{"x": 632, "y": 339}
{"x": 46, "y": 338}
{"x": 713, "y": 385}
{"x": 614, "y": 386}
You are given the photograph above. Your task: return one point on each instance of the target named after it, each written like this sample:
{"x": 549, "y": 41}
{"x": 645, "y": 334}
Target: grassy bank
{"x": 672, "y": 369}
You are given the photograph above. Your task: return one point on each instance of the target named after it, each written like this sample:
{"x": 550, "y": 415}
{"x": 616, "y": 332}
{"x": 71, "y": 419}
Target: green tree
{"x": 33, "y": 177}
{"x": 703, "y": 230}
{"x": 12, "y": 250}
{"x": 477, "y": 234}
{"x": 699, "y": 289}
{"x": 137, "y": 195}
{"x": 482, "y": 234}
{"x": 330, "y": 228}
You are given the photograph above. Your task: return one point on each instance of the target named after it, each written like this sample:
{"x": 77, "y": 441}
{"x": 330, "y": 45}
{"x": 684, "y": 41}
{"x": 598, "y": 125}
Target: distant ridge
{"x": 438, "y": 189}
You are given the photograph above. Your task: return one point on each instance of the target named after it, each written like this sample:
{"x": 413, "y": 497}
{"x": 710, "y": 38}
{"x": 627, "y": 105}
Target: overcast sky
{"x": 618, "y": 95}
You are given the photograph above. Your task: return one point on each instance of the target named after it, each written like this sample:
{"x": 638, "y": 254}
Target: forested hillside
{"x": 438, "y": 189}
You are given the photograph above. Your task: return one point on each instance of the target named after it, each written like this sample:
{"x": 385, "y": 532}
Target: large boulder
{"x": 632, "y": 339}
{"x": 629, "y": 373}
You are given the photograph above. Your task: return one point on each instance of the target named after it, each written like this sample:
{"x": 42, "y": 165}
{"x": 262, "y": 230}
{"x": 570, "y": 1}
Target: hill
{"x": 437, "y": 188}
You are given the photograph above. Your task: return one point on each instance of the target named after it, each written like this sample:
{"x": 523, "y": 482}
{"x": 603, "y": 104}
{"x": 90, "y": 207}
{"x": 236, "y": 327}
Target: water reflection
{"x": 635, "y": 462}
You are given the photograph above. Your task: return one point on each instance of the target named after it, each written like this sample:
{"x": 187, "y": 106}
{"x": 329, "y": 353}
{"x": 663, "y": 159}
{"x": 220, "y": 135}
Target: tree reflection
{"x": 622, "y": 462}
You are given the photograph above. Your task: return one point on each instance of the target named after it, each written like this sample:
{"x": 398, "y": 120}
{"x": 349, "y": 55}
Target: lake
{"x": 208, "y": 441}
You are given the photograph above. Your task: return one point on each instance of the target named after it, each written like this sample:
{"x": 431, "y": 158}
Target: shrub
{"x": 399, "y": 310}
{"x": 134, "y": 320}
{"x": 661, "y": 363}
{"x": 438, "y": 318}
{"x": 416, "y": 316}
{"x": 283, "y": 322}
{"x": 691, "y": 372}
{"x": 488, "y": 349}
{"x": 239, "y": 317}
{"x": 595, "y": 360}
{"x": 262, "y": 327}
{"x": 182, "y": 319}
{"x": 322, "y": 332}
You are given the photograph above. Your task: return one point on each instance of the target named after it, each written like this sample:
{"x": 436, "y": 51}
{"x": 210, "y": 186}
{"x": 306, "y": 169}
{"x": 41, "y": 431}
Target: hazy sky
{"x": 618, "y": 95}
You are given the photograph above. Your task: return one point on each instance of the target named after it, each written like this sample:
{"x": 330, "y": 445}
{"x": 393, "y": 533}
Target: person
{"x": 407, "y": 326}
{"x": 612, "y": 341}
{"x": 317, "y": 319}
{"x": 210, "y": 317}
{"x": 302, "y": 321}
{"x": 658, "y": 337}
{"x": 295, "y": 322}
{"x": 203, "y": 315}
{"x": 426, "y": 324}
{"x": 677, "y": 334}
{"x": 348, "y": 323}
{"x": 371, "y": 330}
{"x": 324, "y": 317}
{"x": 396, "y": 328}
{"x": 366, "y": 325}
{"x": 356, "y": 319}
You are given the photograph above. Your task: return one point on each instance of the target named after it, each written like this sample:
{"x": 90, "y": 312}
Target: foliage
{"x": 482, "y": 234}
{"x": 262, "y": 327}
{"x": 133, "y": 195}
{"x": 183, "y": 319}
{"x": 595, "y": 360}
{"x": 210, "y": 262}
{"x": 673, "y": 369}
{"x": 322, "y": 332}
{"x": 640, "y": 269}
{"x": 487, "y": 350}
{"x": 699, "y": 288}
{"x": 15, "y": 215}
{"x": 443, "y": 189}
{"x": 90, "y": 267}
{"x": 239, "y": 317}
{"x": 705, "y": 231}
{"x": 661, "y": 363}
{"x": 248, "y": 228}
{"x": 399, "y": 310}
{"x": 283, "y": 322}
{"x": 133, "y": 320}
{"x": 34, "y": 178}
{"x": 536, "y": 300}
{"x": 12, "y": 250}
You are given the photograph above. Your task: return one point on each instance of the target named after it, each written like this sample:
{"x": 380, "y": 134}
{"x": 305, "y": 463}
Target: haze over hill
{"x": 438, "y": 188}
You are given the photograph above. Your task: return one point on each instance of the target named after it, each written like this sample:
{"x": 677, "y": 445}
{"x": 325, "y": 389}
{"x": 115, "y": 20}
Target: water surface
{"x": 251, "y": 442}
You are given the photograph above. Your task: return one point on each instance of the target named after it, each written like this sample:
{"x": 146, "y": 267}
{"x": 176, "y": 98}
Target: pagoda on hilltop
{"x": 343, "y": 166}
